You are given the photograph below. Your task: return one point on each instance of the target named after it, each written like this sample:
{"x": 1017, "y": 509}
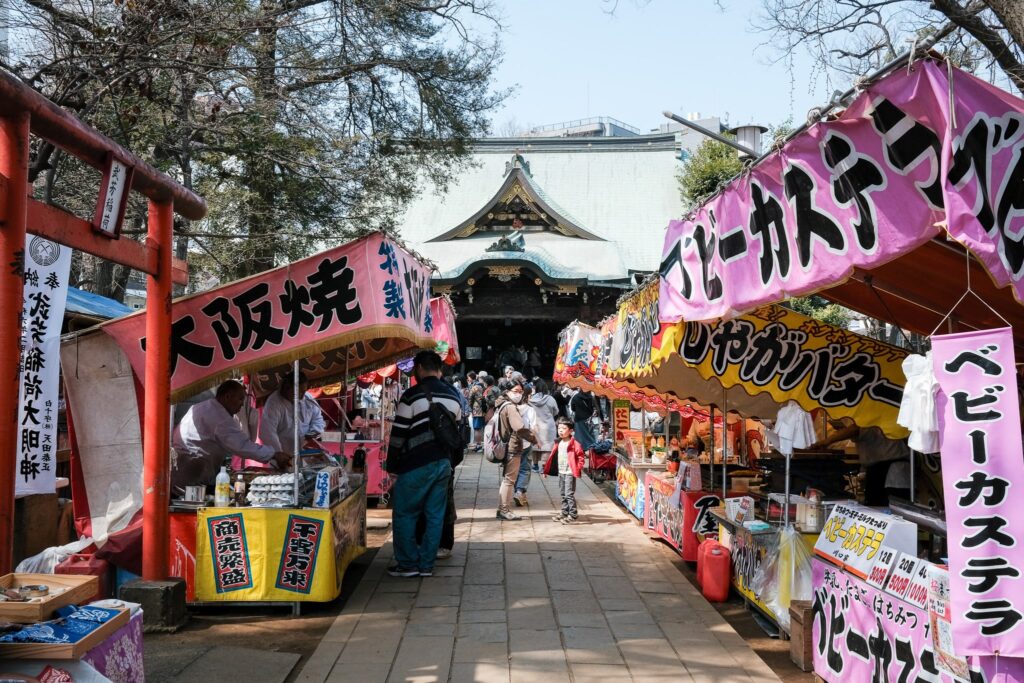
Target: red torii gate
{"x": 24, "y": 111}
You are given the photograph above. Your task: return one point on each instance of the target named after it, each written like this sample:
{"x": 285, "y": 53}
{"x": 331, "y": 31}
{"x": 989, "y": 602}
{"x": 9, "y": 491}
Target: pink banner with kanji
{"x": 856, "y": 192}
{"x": 443, "y": 317}
{"x": 363, "y": 303}
{"x": 982, "y": 476}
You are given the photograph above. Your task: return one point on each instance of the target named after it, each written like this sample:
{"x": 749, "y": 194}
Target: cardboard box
{"x": 77, "y": 590}
{"x": 801, "y": 638}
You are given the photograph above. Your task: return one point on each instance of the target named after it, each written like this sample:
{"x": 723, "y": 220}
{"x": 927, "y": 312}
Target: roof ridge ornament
{"x": 514, "y": 241}
{"x": 517, "y": 161}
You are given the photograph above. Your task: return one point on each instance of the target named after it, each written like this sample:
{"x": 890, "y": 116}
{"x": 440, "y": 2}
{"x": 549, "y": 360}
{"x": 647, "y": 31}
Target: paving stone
{"x": 367, "y": 672}
{"x": 485, "y": 632}
{"x": 521, "y": 563}
{"x": 491, "y": 573}
{"x": 535, "y": 613}
{"x": 480, "y": 672}
{"x": 472, "y": 650}
{"x": 585, "y": 671}
{"x": 593, "y": 645}
{"x": 423, "y": 659}
{"x": 487, "y": 616}
{"x": 481, "y": 597}
{"x": 527, "y": 585}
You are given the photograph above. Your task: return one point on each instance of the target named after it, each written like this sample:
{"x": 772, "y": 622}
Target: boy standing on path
{"x": 567, "y": 460}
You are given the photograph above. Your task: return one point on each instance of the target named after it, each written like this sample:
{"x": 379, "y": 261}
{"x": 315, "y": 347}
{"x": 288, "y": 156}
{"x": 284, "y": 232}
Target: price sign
{"x": 854, "y": 536}
{"x": 902, "y": 576}
{"x": 917, "y": 591}
{"x": 882, "y": 568}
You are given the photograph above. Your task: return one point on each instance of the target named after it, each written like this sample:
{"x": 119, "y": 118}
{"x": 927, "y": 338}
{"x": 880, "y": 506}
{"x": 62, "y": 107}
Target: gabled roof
{"x": 555, "y": 258}
{"x": 519, "y": 183}
{"x": 621, "y": 190}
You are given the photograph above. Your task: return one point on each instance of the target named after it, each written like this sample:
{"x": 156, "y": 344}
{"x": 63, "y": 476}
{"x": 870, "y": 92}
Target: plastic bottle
{"x": 222, "y": 489}
{"x": 239, "y": 491}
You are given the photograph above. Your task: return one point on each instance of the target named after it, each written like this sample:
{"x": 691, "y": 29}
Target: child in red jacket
{"x": 567, "y": 460}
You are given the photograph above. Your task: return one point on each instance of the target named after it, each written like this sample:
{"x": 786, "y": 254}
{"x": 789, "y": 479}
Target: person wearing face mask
{"x": 511, "y": 426}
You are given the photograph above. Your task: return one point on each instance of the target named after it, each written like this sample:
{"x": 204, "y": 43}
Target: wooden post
{"x": 156, "y": 486}
{"x": 14, "y": 149}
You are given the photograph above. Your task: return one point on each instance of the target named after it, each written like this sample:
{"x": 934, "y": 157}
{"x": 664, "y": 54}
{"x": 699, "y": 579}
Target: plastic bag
{"x": 46, "y": 561}
{"x": 784, "y": 576}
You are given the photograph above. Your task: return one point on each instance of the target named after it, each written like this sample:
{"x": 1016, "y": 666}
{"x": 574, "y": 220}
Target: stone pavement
{"x": 534, "y": 601}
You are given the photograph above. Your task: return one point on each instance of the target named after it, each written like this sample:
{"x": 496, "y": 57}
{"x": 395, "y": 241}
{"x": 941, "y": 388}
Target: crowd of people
{"x": 535, "y": 422}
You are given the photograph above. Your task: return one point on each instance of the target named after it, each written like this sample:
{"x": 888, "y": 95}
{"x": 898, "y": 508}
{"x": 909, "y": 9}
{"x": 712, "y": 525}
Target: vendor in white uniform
{"x": 276, "y": 423}
{"x": 209, "y": 434}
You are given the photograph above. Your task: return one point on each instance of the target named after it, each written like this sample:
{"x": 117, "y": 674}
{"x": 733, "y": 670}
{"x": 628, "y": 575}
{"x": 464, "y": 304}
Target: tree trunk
{"x": 262, "y": 180}
{"x": 1011, "y": 14}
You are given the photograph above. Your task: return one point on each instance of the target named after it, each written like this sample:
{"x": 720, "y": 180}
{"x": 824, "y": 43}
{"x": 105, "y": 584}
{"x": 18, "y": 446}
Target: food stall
{"x": 899, "y": 207}
{"x": 752, "y": 366}
{"x": 336, "y": 314}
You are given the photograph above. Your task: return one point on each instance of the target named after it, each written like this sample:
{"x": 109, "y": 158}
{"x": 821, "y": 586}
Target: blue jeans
{"x": 583, "y": 434}
{"x": 523, "y": 480}
{"x": 424, "y": 491}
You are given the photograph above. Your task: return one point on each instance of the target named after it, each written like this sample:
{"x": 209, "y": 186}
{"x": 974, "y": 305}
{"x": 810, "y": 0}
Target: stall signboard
{"x": 263, "y": 554}
{"x": 792, "y": 357}
{"x": 863, "y": 634}
{"x": 902, "y": 574}
{"x": 854, "y": 535}
{"x": 361, "y": 303}
{"x": 628, "y": 489}
{"x": 882, "y": 568}
{"x": 982, "y": 468}
{"x": 47, "y": 266}
{"x": 857, "y": 192}
{"x": 661, "y": 515}
{"x": 620, "y": 421}
{"x": 940, "y": 622}
{"x": 633, "y": 335}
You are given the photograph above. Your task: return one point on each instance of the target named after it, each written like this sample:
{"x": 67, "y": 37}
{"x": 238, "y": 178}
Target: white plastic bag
{"x": 46, "y": 561}
{"x": 784, "y": 576}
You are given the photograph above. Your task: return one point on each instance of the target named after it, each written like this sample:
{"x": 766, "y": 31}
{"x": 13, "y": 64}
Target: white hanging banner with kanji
{"x": 47, "y": 268}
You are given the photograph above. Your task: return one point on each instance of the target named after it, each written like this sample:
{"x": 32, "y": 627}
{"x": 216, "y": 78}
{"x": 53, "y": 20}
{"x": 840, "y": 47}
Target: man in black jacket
{"x": 581, "y": 409}
{"x": 423, "y": 467}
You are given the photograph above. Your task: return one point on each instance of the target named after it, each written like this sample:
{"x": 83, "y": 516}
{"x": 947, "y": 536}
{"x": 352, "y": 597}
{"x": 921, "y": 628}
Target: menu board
{"x": 620, "y": 421}
{"x": 854, "y": 536}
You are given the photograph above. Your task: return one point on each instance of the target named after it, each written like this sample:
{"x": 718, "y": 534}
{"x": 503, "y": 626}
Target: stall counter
{"x": 678, "y": 525}
{"x": 629, "y": 483}
{"x": 748, "y": 551}
{"x": 245, "y": 554}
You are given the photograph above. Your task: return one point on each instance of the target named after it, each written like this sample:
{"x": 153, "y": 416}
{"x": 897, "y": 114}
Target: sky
{"x": 571, "y": 59}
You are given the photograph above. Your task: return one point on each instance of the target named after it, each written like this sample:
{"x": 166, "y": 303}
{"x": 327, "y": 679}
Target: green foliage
{"x": 304, "y": 123}
{"x": 712, "y": 165}
{"x": 820, "y": 309}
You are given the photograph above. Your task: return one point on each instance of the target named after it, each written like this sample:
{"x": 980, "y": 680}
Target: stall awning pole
{"x": 14, "y": 153}
{"x": 295, "y": 431}
{"x": 725, "y": 445}
{"x": 711, "y": 453}
{"x": 157, "y": 435}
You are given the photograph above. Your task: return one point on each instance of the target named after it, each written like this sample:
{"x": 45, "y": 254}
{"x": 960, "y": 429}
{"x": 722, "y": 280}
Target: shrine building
{"x": 547, "y": 228}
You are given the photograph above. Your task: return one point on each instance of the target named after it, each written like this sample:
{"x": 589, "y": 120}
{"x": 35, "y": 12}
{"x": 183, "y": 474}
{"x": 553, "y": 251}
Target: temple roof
{"x": 600, "y": 204}
{"x": 554, "y": 257}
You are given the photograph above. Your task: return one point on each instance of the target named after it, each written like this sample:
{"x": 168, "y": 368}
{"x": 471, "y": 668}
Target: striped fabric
{"x": 412, "y": 442}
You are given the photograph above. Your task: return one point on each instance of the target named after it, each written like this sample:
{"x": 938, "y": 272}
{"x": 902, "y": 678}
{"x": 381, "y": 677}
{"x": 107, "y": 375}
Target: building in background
{"x": 547, "y": 228}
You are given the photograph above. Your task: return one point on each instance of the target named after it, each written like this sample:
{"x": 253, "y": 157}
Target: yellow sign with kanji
{"x": 277, "y": 555}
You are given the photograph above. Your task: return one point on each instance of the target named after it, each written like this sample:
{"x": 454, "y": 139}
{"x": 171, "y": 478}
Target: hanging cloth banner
{"x": 982, "y": 475}
{"x": 857, "y": 192}
{"x": 579, "y": 350}
{"x": 369, "y": 296}
{"x": 47, "y": 268}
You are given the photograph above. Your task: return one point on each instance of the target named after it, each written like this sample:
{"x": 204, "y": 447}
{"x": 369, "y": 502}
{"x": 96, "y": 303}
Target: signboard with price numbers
{"x": 882, "y": 567}
{"x": 854, "y": 536}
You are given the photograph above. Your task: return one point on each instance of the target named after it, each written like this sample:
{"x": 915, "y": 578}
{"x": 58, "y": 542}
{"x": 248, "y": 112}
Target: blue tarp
{"x": 87, "y": 303}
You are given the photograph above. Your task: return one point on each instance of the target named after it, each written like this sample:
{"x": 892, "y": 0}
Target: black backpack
{"x": 446, "y": 429}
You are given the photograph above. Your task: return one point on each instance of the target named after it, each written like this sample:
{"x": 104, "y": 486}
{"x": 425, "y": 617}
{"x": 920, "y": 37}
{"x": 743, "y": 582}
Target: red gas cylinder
{"x": 702, "y": 551}
{"x": 717, "y": 574}
{"x": 89, "y": 565}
